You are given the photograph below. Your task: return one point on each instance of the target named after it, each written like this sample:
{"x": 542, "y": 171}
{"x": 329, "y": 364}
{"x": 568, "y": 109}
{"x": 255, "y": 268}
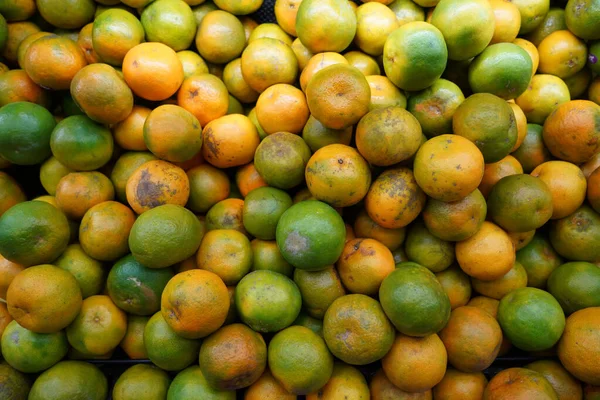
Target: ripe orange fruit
{"x": 269, "y": 30}
{"x": 579, "y": 349}
{"x": 192, "y": 63}
{"x": 226, "y": 214}
{"x": 317, "y": 63}
{"x": 472, "y": 339}
{"x": 456, "y": 284}
{"x": 266, "y": 62}
{"x": 172, "y": 133}
{"x": 85, "y": 42}
{"x": 448, "y": 167}
{"x": 247, "y": 179}
{"x": 16, "y": 85}
{"x": 44, "y": 298}
{"x": 384, "y": 93}
{"x": 387, "y": 136}
{"x": 156, "y": 183}
{"x": 567, "y": 185}
{"x": 382, "y": 389}
{"x": 10, "y": 194}
{"x": 593, "y": 190}
{"x": 493, "y": 172}
{"x": 374, "y": 23}
{"x": 129, "y": 133}
{"x": 52, "y": 61}
{"x": 338, "y": 175}
{"x": 562, "y": 54}
{"x": 267, "y": 388}
{"x": 101, "y": 81}
{"x": 514, "y": 279}
{"x": 326, "y": 25}
{"x": 246, "y": 354}
{"x": 124, "y": 167}
{"x": 282, "y": 99}
{"x": 227, "y": 253}
{"x": 205, "y": 96}
{"x": 580, "y": 118}
{"x": 357, "y": 330}
{"x": 487, "y": 255}
{"x": 392, "y": 208}
{"x": 338, "y": 96}
{"x": 153, "y": 71}
{"x": 345, "y": 382}
{"x": 104, "y": 230}
{"x": 364, "y": 264}
{"x": 205, "y": 307}
{"x": 519, "y": 383}
{"x": 14, "y": 34}
{"x": 285, "y": 14}
{"x": 458, "y": 384}
{"x": 229, "y": 141}
{"x": 8, "y": 271}
{"x": 365, "y": 227}
{"x": 564, "y": 384}
{"x": 77, "y": 192}
{"x": 415, "y": 364}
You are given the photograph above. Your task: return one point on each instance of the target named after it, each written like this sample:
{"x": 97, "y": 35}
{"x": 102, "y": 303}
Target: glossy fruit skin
{"x": 575, "y": 285}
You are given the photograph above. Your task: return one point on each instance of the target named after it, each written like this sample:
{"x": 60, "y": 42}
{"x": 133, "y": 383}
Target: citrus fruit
{"x": 172, "y": 133}
{"x": 70, "y": 14}
{"x": 152, "y": 71}
{"x": 553, "y": 21}
{"x": 578, "y": 348}
{"x": 267, "y": 388}
{"x": 365, "y": 227}
{"x": 521, "y": 383}
{"x": 384, "y": 93}
{"x": 141, "y": 381}
{"x": 13, "y": 34}
{"x": 229, "y": 141}
{"x": 575, "y": 285}
{"x": 583, "y": 23}
{"x": 89, "y": 273}
{"x": 277, "y": 100}
{"x": 416, "y": 313}
{"x": 165, "y": 348}
{"x": 213, "y": 102}
{"x": 426, "y": 249}
{"x": 281, "y": 159}
{"x": 394, "y": 199}
{"x": 205, "y": 307}
{"x": 488, "y": 254}
{"x": 465, "y": 385}
{"x": 25, "y": 136}
{"x": 99, "y": 327}
{"x": 515, "y": 278}
{"x": 208, "y": 186}
{"x": 262, "y": 209}
{"x": 458, "y": 220}
{"x": 357, "y": 330}
{"x": 531, "y": 319}
{"x": 11, "y": 193}
{"x": 114, "y": 33}
{"x": 68, "y": 380}
{"x": 191, "y": 384}
{"x": 235, "y": 83}
{"x": 434, "y": 107}
{"x": 338, "y": 96}
{"x": 319, "y": 289}
{"x": 101, "y": 81}
{"x": 562, "y": 54}
{"x": 316, "y": 135}
{"x": 133, "y": 342}
{"x": 564, "y": 384}
{"x": 387, "y": 136}
{"x": 135, "y": 288}
{"x": 227, "y": 253}
{"x": 345, "y": 381}
{"x": 165, "y": 235}
{"x": 77, "y": 192}
{"x": 574, "y": 236}
{"x": 266, "y": 255}
{"x": 14, "y": 384}
{"x": 493, "y": 172}
{"x": 328, "y": 25}
{"x": 520, "y": 203}
{"x": 33, "y": 232}
{"x": 81, "y": 144}
{"x": 266, "y": 62}
{"x": 310, "y": 235}
{"x": 31, "y": 352}
{"x": 593, "y": 54}
{"x": 374, "y": 23}
{"x": 364, "y": 264}
{"x": 532, "y": 152}
{"x": 365, "y": 63}
{"x": 299, "y": 359}
{"x": 16, "y": 85}
{"x": 449, "y": 167}
{"x": 267, "y": 301}
{"x": 52, "y": 61}
{"x": 408, "y": 63}
{"x": 472, "y": 339}
{"x": 472, "y": 34}
{"x": 382, "y": 389}
{"x": 51, "y": 172}
{"x": 592, "y": 190}
{"x": 502, "y": 69}
{"x": 415, "y": 364}
{"x": 507, "y": 21}
{"x": 8, "y": 271}
{"x": 541, "y": 97}
{"x": 245, "y": 353}
{"x": 580, "y": 118}
{"x": 456, "y": 284}
{"x": 44, "y": 298}
{"x": 532, "y": 13}
{"x": 226, "y": 214}
{"x": 539, "y": 260}
{"x": 472, "y": 121}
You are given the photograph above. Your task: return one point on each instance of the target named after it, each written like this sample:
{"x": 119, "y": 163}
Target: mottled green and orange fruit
{"x": 156, "y": 183}
{"x": 77, "y": 192}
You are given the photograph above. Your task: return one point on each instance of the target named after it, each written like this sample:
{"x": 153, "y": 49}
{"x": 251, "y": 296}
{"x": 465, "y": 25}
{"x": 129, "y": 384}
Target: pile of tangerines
{"x": 261, "y": 209}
